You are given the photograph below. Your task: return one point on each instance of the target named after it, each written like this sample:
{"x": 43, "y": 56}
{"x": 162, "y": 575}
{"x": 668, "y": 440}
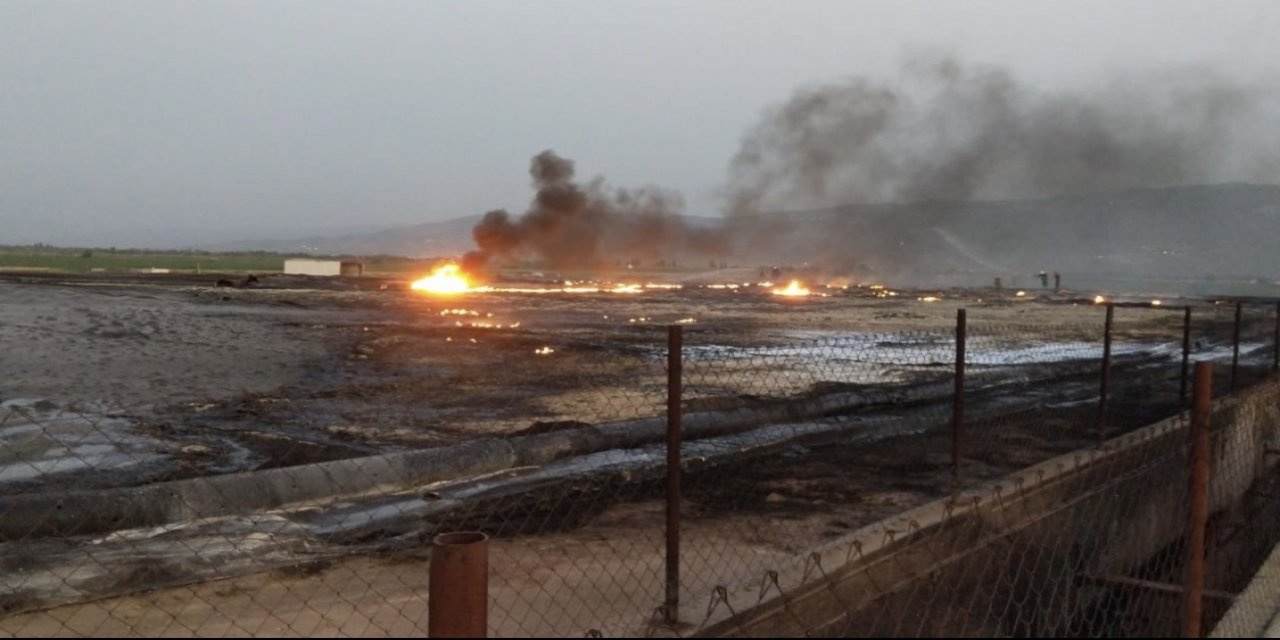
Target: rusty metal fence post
{"x": 1186, "y": 356}
{"x": 1104, "y": 378}
{"x": 957, "y": 402}
{"x": 675, "y": 390}
{"x": 458, "y": 593}
{"x": 1235, "y": 345}
{"x": 1275, "y": 342}
{"x": 1201, "y": 416}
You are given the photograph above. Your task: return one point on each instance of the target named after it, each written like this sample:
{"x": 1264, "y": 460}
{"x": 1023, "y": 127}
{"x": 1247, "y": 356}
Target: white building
{"x": 309, "y": 267}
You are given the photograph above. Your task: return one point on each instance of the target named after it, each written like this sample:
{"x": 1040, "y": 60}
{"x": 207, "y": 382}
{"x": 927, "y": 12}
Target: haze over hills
{"x": 426, "y": 240}
{"x": 1189, "y": 231}
{"x": 446, "y": 238}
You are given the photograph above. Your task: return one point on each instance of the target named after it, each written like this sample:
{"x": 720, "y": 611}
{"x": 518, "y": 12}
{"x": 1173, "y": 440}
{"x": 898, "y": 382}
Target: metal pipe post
{"x": 1104, "y": 379}
{"x": 957, "y": 401}
{"x": 675, "y": 390}
{"x": 1193, "y": 601}
{"x": 458, "y": 594}
{"x": 1186, "y": 355}
{"x": 1275, "y": 356}
{"x": 1235, "y": 345}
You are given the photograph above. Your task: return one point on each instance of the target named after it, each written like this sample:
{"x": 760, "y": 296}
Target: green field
{"x": 64, "y": 260}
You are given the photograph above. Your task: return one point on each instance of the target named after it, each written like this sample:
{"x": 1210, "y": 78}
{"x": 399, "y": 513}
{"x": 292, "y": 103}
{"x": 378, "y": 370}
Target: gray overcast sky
{"x": 178, "y": 123}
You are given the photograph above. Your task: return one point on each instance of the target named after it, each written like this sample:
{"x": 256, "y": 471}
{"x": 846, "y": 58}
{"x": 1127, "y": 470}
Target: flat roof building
{"x": 310, "y": 267}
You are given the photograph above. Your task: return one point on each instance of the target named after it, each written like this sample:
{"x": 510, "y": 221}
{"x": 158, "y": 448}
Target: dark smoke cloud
{"x": 570, "y": 224}
{"x": 946, "y": 131}
{"x": 942, "y": 132}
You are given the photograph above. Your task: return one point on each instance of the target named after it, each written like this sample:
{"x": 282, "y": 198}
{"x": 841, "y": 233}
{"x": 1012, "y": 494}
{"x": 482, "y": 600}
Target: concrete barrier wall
{"x": 102, "y": 511}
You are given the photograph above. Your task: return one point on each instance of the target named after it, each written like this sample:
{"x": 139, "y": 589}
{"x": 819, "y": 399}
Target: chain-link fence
{"x": 1091, "y": 543}
{"x": 830, "y": 482}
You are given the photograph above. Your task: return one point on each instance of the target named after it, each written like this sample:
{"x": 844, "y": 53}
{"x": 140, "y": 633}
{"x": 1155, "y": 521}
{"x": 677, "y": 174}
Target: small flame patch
{"x": 447, "y": 280}
{"x": 793, "y": 289}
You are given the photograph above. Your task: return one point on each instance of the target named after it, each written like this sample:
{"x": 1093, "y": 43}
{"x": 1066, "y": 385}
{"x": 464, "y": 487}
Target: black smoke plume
{"x": 945, "y": 131}
{"x": 575, "y": 225}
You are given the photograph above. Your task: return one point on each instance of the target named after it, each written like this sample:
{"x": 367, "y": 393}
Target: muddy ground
{"x": 216, "y": 380}
{"x": 115, "y": 383}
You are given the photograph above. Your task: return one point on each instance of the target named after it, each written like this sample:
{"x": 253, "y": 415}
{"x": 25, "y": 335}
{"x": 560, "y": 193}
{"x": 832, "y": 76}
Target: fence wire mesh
{"x": 827, "y": 485}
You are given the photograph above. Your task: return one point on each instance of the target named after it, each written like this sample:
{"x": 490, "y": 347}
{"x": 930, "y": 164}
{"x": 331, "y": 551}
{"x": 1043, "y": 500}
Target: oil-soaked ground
{"x": 114, "y": 384}
{"x": 160, "y": 378}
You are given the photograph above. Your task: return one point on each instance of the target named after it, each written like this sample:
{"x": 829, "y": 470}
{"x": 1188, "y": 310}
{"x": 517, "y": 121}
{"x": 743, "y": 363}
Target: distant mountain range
{"x": 1194, "y": 231}
{"x": 426, "y": 240}
{"x": 447, "y": 238}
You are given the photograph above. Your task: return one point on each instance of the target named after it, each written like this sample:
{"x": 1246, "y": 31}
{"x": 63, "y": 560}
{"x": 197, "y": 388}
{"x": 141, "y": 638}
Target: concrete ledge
{"x": 1256, "y": 611}
{"x": 816, "y": 595}
{"x": 101, "y": 511}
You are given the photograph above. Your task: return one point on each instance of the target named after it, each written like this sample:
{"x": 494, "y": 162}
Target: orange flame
{"x": 794, "y": 288}
{"x": 446, "y": 280}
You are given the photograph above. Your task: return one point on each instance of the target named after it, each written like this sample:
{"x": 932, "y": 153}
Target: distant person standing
{"x": 1057, "y": 282}
{"x": 1044, "y": 280}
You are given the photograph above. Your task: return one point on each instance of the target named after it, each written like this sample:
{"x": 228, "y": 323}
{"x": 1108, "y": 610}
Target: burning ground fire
{"x": 793, "y": 289}
{"x": 450, "y": 280}
{"x": 446, "y": 280}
